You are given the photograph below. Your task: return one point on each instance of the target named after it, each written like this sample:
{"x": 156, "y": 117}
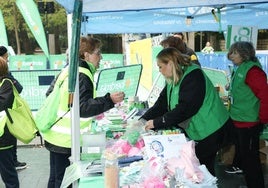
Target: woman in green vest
{"x": 7, "y": 141}
{"x": 58, "y": 138}
{"x": 248, "y": 109}
{"x": 190, "y": 101}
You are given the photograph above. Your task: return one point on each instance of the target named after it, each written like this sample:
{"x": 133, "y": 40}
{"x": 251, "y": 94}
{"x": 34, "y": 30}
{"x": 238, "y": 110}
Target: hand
{"x": 137, "y": 126}
{"x": 117, "y": 97}
{"x": 149, "y": 125}
{"x": 140, "y": 123}
{"x": 227, "y": 87}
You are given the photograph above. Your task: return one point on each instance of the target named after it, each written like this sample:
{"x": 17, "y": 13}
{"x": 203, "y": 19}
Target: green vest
{"x": 60, "y": 133}
{"x": 212, "y": 114}
{"x": 241, "y": 92}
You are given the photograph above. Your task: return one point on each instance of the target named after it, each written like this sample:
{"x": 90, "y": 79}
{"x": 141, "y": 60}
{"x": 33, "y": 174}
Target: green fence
{"x": 218, "y": 78}
{"x": 35, "y": 84}
{"x": 39, "y": 62}
{"x": 31, "y": 71}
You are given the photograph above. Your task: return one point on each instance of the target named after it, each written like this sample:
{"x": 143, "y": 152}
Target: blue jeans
{"x": 7, "y": 168}
{"x": 58, "y": 163}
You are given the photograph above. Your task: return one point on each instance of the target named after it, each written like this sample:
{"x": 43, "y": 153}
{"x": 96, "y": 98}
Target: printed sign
{"x": 35, "y": 84}
{"x": 241, "y": 33}
{"x": 124, "y": 78}
{"x": 165, "y": 146}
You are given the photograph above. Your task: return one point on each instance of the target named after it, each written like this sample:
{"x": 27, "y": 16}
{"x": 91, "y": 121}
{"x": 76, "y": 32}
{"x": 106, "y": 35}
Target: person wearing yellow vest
{"x": 4, "y": 54}
{"x": 7, "y": 141}
{"x": 248, "y": 109}
{"x": 190, "y": 101}
{"x": 58, "y": 138}
{"x": 208, "y": 49}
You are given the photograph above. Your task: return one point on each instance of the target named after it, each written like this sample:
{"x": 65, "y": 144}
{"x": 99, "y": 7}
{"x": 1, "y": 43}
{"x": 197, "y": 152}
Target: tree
{"x": 56, "y": 23}
{"x": 20, "y": 36}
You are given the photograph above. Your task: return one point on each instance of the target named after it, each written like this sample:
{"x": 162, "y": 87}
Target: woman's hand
{"x": 117, "y": 97}
{"x": 149, "y": 125}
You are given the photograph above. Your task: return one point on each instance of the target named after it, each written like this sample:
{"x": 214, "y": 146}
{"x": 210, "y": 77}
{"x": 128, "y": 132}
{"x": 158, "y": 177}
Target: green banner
{"x": 3, "y": 35}
{"x": 111, "y": 61}
{"x": 31, "y": 15}
{"x": 57, "y": 61}
{"x": 76, "y": 30}
{"x": 38, "y": 62}
{"x": 27, "y": 62}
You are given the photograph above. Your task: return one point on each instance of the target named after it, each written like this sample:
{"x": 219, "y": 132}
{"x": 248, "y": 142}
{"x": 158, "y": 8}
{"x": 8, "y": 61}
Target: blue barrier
{"x": 219, "y": 60}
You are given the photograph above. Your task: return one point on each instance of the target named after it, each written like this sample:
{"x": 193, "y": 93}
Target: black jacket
{"x": 190, "y": 52}
{"x": 191, "y": 96}
{"x": 6, "y": 101}
{"x": 16, "y": 83}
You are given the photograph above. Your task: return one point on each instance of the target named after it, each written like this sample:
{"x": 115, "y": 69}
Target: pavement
{"x": 37, "y": 158}
{"x": 37, "y": 172}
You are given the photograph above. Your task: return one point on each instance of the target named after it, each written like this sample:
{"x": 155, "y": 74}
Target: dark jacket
{"x": 88, "y": 106}
{"x": 190, "y": 52}
{"x": 6, "y": 101}
{"x": 16, "y": 83}
{"x": 191, "y": 98}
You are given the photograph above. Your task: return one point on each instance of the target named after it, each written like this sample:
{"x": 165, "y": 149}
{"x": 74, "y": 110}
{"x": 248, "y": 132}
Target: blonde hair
{"x": 3, "y": 67}
{"x": 179, "y": 61}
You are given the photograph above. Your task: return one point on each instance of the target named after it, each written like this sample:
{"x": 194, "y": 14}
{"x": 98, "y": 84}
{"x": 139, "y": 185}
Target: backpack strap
{"x": 13, "y": 87}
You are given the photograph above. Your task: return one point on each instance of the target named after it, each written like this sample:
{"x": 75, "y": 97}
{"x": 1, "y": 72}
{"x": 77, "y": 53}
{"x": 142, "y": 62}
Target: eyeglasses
{"x": 97, "y": 52}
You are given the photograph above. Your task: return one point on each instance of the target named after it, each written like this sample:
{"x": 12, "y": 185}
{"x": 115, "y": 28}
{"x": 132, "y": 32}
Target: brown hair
{"x": 180, "y": 33}
{"x": 180, "y": 61}
{"x": 3, "y": 67}
{"x": 244, "y": 49}
{"x": 88, "y": 44}
{"x": 174, "y": 42}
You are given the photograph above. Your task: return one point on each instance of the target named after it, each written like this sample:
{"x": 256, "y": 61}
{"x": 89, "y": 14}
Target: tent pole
{"x": 75, "y": 128}
{"x": 69, "y": 32}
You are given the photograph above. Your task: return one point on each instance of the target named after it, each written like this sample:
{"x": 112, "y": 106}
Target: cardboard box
{"x": 263, "y": 151}
{"x": 226, "y": 154}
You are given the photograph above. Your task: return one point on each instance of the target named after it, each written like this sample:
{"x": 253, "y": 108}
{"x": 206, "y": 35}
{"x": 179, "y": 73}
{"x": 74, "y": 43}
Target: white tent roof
{"x": 122, "y": 5}
{"x": 160, "y": 16}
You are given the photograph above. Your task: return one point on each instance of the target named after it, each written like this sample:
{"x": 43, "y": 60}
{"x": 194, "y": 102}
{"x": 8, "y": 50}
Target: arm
{"x": 6, "y": 95}
{"x": 256, "y": 79}
{"x": 191, "y": 97}
{"x": 51, "y": 87}
{"x": 16, "y": 83}
{"x": 159, "y": 108}
{"x": 89, "y": 106}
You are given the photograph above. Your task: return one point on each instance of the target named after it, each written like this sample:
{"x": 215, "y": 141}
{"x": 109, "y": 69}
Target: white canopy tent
{"x": 160, "y": 16}
{"x": 90, "y": 6}
{"x": 157, "y": 16}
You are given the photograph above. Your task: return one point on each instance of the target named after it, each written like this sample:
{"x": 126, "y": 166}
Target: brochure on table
{"x": 163, "y": 145}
